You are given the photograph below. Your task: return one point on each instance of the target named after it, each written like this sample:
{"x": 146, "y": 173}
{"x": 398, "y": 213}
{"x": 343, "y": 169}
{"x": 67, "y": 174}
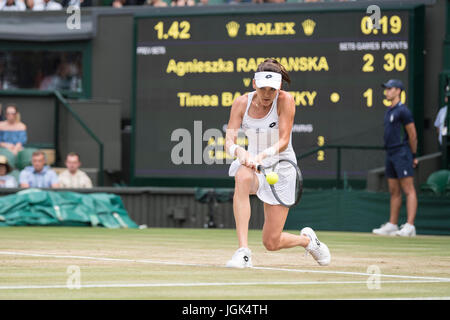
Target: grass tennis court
{"x": 188, "y": 264}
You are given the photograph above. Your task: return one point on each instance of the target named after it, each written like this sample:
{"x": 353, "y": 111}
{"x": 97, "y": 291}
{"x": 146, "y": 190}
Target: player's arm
{"x": 234, "y": 123}
{"x": 286, "y": 114}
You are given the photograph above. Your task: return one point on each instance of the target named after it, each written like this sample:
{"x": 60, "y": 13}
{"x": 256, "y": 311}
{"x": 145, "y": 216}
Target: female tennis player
{"x": 260, "y": 114}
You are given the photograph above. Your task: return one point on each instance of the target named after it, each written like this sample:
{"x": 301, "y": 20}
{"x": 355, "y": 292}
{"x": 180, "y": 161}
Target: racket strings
{"x": 286, "y": 187}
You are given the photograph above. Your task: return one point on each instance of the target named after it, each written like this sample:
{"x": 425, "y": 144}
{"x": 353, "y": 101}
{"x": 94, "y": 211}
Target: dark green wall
{"x": 112, "y": 60}
{"x": 435, "y": 20}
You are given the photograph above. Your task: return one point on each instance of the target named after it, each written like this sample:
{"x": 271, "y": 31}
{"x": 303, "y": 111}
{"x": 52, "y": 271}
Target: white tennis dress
{"x": 261, "y": 134}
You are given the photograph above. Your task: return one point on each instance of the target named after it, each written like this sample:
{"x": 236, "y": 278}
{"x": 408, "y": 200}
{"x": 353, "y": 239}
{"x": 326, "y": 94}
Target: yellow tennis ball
{"x": 272, "y": 177}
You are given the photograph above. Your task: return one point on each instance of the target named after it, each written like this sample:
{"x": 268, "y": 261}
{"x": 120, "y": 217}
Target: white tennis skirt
{"x": 285, "y": 187}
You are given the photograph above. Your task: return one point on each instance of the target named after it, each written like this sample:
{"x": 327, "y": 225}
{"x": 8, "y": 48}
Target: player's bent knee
{"x": 271, "y": 244}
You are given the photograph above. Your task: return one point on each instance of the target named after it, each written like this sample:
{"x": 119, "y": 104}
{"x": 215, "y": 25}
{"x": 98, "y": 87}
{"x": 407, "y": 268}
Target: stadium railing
{"x": 339, "y": 148}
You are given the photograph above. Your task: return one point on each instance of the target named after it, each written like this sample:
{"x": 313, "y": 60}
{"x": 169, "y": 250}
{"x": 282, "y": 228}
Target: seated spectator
{"x": 157, "y": 3}
{"x": 6, "y": 180}
{"x": 121, "y": 3}
{"x": 73, "y": 3}
{"x": 13, "y": 132}
{"x": 2, "y": 114}
{"x": 12, "y": 5}
{"x": 73, "y": 177}
{"x": 182, "y": 3}
{"x": 118, "y": 3}
{"x": 47, "y": 5}
{"x": 60, "y": 80}
{"x": 30, "y": 4}
{"x": 38, "y": 175}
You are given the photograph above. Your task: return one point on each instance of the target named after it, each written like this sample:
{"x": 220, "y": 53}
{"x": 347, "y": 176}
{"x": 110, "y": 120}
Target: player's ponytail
{"x": 273, "y": 65}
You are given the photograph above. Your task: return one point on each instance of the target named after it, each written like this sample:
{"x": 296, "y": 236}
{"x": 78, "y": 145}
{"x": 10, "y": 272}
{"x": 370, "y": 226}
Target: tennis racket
{"x": 285, "y": 169}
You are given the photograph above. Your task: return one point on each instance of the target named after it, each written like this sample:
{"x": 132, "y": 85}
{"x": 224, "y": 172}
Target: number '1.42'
{"x": 177, "y": 30}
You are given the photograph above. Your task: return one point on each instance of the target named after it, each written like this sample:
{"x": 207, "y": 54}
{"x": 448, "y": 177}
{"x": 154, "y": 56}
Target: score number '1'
{"x": 177, "y": 30}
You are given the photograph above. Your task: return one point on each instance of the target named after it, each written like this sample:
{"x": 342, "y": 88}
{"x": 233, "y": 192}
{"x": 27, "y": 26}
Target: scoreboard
{"x": 190, "y": 68}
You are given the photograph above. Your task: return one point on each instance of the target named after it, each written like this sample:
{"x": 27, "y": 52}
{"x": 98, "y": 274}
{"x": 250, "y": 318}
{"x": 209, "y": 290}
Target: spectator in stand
{"x": 121, "y": 3}
{"x": 47, "y": 5}
{"x": 13, "y": 132}
{"x": 440, "y": 124}
{"x": 2, "y": 114}
{"x": 73, "y": 177}
{"x": 12, "y": 5}
{"x": 30, "y": 4}
{"x": 157, "y": 3}
{"x": 73, "y": 3}
{"x": 60, "y": 80}
{"x": 244, "y": 1}
{"x": 38, "y": 175}
{"x": 182, "y": 3}
{"x": 118, "y": 3}
{"x": 6, "y": 180}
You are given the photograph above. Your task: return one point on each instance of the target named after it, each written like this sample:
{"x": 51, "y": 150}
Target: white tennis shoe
{"x": 406, "y": 230}
{"x": 387, "y": 229}
{"x": 318, "y": 250}
{"x": 242, "y": 258}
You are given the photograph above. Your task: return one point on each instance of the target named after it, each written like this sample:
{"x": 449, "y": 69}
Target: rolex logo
{"x": 232, "y": 28}
{"x": 308, "y": 26}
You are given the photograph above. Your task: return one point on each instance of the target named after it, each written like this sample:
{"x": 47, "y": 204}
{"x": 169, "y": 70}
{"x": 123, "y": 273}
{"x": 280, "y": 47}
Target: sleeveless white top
{"x": 263, "y": 133}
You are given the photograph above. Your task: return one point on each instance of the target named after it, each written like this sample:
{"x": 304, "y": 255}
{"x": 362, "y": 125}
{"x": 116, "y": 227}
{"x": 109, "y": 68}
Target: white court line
{"x": 205, "y": 284}
{"x": 437, "y": 279}
{"x": 356, "y": 274}
{"x": 406, "y": 298}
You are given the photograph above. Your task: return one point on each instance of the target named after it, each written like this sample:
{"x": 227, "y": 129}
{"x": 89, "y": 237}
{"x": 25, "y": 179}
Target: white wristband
{"x": 269, "y": 152}
{"x": 232, "y": 149}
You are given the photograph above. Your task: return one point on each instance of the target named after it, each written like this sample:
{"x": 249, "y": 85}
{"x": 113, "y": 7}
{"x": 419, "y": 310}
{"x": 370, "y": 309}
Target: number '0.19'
{"x": 392, "y": 24}
{"x": 177, "y": 30}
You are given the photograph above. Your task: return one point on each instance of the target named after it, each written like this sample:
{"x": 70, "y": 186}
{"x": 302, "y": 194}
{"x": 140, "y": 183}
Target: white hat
{"x": 268, "y": 79}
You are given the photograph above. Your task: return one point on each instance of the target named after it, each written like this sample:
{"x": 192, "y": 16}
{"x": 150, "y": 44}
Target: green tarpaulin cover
{"x": 49, "y": 208}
